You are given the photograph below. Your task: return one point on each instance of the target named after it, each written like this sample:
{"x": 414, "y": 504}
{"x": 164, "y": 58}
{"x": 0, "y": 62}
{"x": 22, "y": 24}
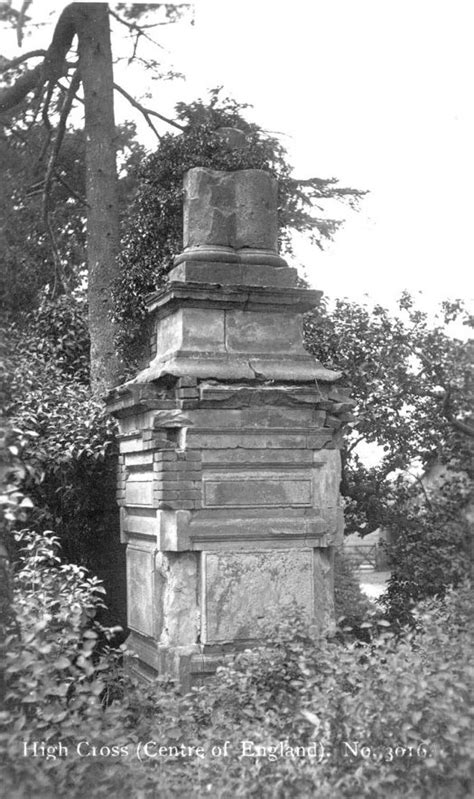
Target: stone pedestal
{"x": 230, "y": 469}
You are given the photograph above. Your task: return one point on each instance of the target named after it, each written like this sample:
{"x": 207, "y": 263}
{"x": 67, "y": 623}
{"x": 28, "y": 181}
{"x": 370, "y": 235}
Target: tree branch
{"x": 26, "y": 83}
{"x": 420, "y": 482}
{"x": 71, "y": 191}
{"x": 21, "y": 20}
{"x": 64, "y": 32}
{"x": 463, "y": 427}
{"x": 61, "y": 129}
{"x": 52, "y": 67}
{"x": 147, "y": 112}
{"x": 56, "y": 258}
{"x": 134, "y": 28}
{"x": 354, "y": 444}
{"x": 458, "y": 424}
{"x": 15, "y": 62}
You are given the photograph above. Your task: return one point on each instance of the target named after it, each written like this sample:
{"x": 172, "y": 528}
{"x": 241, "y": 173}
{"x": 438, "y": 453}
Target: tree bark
{"x": 103, "y": 238}
{"x": 90, "y": 22}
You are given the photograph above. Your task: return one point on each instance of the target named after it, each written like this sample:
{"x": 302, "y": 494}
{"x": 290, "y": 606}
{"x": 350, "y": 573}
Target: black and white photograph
{"x": 237, "y": 399}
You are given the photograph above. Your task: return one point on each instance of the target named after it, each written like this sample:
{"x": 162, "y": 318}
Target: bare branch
{"x": 56, "y": 258}
{"x": 139, "y": 30}
{"x": 61, "y": 129}
{"x": 463, "y": 427}
{"x": 52, "y": 67}
{"x": 71, "y": 191}
{"x": 15, "y": 62}
{"x": 45, "y": 147}
{"x": 64, "y": 32}
{"x": 147, "y": 112}
{"x": 45, "y": 109}
{"x": 21, "y": 20}
{"x": 420, "y": 482}
{"x": 65, "y": 89}
{"x": 354, "y": 444}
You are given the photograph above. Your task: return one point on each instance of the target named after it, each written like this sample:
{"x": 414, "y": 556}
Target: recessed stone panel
{"x": 140, "y": 574}
{"x": 257, "y": 439}
{"x": 251, "y": 492}
{"x": 252, "y": 332}
{"x": 203, "y": 329}
{"x": 194, "y": 329}
{"x": 241, "y": 590}
{"x": 141, "y": 522}
{"x": 170, "y": 333}
{"x": 139, "y": 492}
{"x": 327, "y": 477}
{"x": 236, "y": 458}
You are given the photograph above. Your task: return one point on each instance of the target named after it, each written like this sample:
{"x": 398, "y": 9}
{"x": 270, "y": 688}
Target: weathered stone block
{"x": 178, "y": 589}
{"x": 140, "y": 572}
{"x": 323, "y": 563}
{"x": 256, "y": 457}
{"x": 235, "y": 274}
{"x": 319, "y": 439}
{"x": 139, "y": 521}
{"x": 255, "y": 440}
{"x": 256, "y": 200}
{"x": 199, "y": 329}
{"x": 187, "y": 382}
{"x": 230, "y": 209}
{"x": 254, "y": 492}
{"x": 165, "y": 456}
{"x": 326, "y": 483}
{"x": 175, "y": 504}
{"x": 242, "y": 589}
{"x": 258, "y": 333}
{"x": 133, "y": 444}
{"x": 138, "y": 459}
{"x": 165, "y": 494}
{"x": 139, "y": 493}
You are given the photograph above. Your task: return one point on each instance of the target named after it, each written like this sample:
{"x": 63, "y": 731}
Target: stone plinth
{"x": 229, "y": 459}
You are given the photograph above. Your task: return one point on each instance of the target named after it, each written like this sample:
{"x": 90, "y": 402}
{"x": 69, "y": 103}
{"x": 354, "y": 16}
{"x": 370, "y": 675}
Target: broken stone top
{"x": 230, "y": 217}
{"x": 230, "y": 209}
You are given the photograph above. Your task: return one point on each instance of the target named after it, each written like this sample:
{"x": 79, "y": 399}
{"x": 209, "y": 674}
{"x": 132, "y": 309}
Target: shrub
{"x": 430, "y": 552}
{"x": 69, "y": 455}
{"x": 389, "y": 717}
{"x": 58, "y": 331}
{"x": 53, "y": 672}
{"x": 351, "y": 605}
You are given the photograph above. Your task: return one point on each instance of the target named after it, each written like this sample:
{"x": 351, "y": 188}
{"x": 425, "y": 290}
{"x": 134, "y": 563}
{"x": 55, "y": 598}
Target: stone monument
{"x": 229, "y": 460}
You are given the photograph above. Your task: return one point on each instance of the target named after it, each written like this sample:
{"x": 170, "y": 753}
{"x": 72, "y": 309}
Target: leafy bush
{"x": 58, "y": 331}
{"x": 69, "y": 454}
{"x": 430, "y": 552}
{"x": 53, "y": 673}
{"x": 389, "y": 717}
{"x": 351, "y": 605}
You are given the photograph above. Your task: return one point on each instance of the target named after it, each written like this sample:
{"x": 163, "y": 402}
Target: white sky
{"x": 379, "y": 94}
{"x": 375, "y": 92}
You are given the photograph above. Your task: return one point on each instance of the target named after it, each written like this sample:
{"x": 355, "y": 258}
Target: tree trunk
{"x": 95, "y": 60}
